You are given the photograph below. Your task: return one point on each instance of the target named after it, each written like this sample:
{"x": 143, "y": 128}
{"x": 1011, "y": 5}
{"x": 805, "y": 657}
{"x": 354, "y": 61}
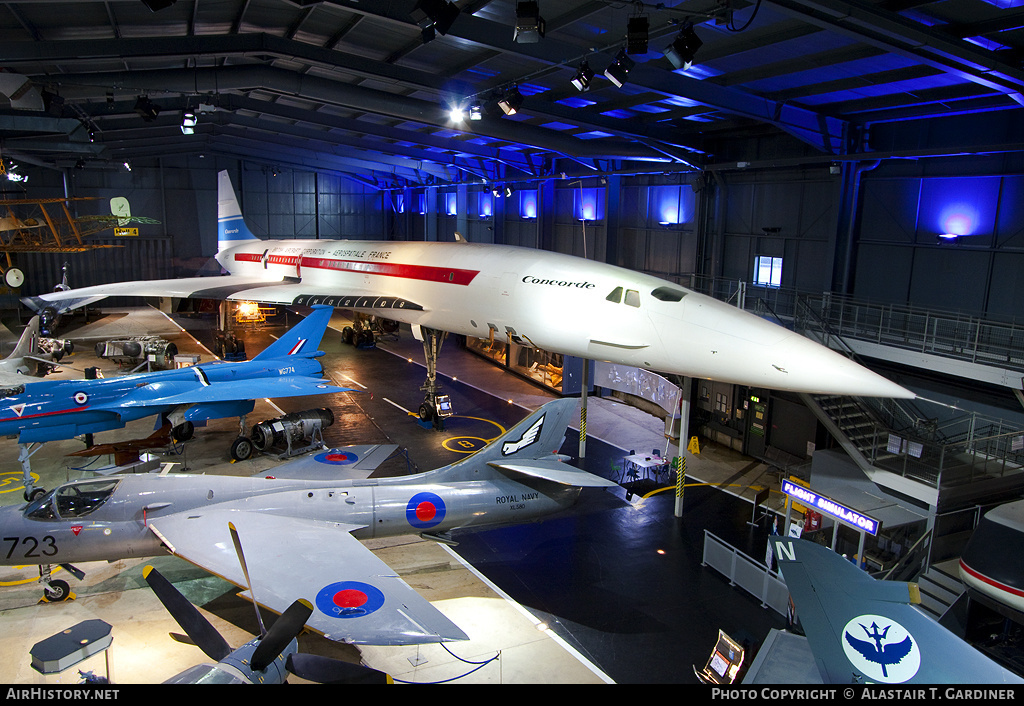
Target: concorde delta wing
{"x": 216, "y": 287}
{"x": 230, "y": 288}
{"x": 357, "y": 598}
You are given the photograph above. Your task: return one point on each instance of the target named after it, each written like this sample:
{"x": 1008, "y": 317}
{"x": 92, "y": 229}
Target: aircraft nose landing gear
{"x": 435, "y": 407}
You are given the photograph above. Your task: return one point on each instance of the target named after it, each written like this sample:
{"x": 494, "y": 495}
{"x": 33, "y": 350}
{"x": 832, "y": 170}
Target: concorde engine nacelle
{"x": 134, "y": 349}
{"x": 291, "y": 429}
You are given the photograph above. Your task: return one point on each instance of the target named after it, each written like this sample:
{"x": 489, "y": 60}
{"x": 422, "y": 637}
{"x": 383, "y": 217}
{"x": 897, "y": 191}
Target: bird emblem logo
{"x": 881, "y": 648}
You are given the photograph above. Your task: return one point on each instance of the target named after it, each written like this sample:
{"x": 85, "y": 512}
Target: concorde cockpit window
{"x": 632, "y": 297}
{"x": 72, "y": 499}
{"x": 668, "y": 294}
{"x": 616, "y": 296}
{"x": 12, "y": 391}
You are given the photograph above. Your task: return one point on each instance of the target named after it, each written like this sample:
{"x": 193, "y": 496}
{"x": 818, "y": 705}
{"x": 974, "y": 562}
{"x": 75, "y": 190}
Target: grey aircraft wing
{"x": 357, "y": 598}
{"x": 354, "y": 462}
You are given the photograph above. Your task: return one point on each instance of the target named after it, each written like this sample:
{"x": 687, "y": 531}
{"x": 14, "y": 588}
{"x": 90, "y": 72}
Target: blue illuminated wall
{"x": 907, "y": 253}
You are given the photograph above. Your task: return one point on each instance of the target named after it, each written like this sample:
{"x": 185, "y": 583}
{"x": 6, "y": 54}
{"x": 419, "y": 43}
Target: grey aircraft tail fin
{"x": 862, "y": 630}
{"x": 530, "y": 448}
{"x": 28, "y": 344}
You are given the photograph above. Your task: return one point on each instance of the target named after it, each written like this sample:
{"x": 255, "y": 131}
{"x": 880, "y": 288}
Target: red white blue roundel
{"x": 425, "y": 510}
{"x": 349, "y": 599}
{"x": 337, "y": 457}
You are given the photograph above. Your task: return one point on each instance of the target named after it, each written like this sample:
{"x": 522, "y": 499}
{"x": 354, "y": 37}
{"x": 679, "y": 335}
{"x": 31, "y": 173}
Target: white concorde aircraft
{"x": 556, "y": 302}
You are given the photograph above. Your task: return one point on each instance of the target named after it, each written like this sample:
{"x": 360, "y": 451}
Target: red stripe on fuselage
{"x": 991, "y": 582}
{"x": 38, "y": 415}
{"x": 426, "y": 273}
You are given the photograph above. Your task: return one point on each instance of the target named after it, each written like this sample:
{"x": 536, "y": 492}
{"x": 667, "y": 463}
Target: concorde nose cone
{"x": 824, "y": 371}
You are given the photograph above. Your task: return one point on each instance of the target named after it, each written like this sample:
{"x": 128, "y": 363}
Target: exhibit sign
{"x": 828, "y": 506}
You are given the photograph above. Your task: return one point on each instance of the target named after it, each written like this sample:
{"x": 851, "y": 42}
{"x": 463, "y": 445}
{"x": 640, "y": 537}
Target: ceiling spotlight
{"x": 456, "y": 115}
{"x": 511, "y": 101}
{"x": 146, "y": 109}
{"x": 636, "y": 35}
{"x": 434, "y": 16}
{"x": 616, "y": 73}
{"x": 583, "y": 77}
{"x": 188, "y": 123}
{"x": 683, "y": 48}
{"x": 529, "y": 23}
{"x": 127, "y": 166}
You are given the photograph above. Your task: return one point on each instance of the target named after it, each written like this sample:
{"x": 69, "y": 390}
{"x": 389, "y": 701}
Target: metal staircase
{"x": 892, "y": 439}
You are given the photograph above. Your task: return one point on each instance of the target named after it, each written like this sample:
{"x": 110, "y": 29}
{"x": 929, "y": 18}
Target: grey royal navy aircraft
{"x": 302, "y": 535}
{"x": 861, "y": 630}
{"x": 46, "y": 410}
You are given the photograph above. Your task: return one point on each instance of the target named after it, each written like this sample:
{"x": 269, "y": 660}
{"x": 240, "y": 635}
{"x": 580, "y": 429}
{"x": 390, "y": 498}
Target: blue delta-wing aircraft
{"x": 861, "y": 630}
{"x": 301, "y": 533}
{"x": 47, "y": 410}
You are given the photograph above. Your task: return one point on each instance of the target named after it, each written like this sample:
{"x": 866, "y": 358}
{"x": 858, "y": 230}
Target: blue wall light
{"x": 399, "y": 202}
{"x": 451, "y": 204}
{"x": 486, "y": 204}
{"x": 588, "y": 204}
{"x": 958, "y": 207}
{"x": 672, "y": 205}
{"x": 958, "y": 219}
{"x": 528, "y": 203}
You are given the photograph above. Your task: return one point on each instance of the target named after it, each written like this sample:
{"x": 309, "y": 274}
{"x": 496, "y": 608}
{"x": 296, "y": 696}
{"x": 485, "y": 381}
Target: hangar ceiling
{"x": 358, "y": 86}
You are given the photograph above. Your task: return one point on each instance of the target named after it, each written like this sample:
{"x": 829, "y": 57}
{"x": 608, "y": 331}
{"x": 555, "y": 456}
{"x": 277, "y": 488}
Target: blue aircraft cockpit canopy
{"x": 75, "y": 499}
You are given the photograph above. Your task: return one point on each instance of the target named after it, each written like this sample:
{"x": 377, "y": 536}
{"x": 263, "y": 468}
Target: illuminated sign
{"x": 125, "y": 232}
{"x": 827, "y": 506}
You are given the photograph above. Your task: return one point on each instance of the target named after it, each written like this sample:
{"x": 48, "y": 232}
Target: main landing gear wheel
{"x": 184, "y": 431}
{"x": 34, "y": 494}
{"x": 57, "y": 591}
{"x": 426, "y": 412}
{"x": 241, "y": 449}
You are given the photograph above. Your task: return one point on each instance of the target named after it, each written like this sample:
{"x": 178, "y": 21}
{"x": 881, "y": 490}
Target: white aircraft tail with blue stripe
{"x": 231, "y": 227}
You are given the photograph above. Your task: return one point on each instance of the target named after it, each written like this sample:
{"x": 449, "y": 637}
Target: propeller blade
{"x": 326, "y": 670}
{"x": 245, "y": 570}
{"x": 285, "y": 629}
{"x": 198, "y": 628}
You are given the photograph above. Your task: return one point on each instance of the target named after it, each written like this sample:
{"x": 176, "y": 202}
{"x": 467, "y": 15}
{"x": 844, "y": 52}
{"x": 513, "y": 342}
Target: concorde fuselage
{"x": 559, "y": 303}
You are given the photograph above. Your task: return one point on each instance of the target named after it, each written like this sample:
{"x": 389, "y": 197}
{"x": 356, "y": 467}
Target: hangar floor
{"x": 612, "y": 591}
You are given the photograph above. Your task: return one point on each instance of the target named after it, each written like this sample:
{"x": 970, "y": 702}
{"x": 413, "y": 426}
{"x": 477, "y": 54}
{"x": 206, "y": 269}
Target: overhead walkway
{"x": 952, "y": 343}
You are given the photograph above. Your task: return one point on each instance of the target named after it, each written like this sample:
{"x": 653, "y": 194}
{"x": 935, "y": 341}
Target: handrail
{"x": 910, "y": 553}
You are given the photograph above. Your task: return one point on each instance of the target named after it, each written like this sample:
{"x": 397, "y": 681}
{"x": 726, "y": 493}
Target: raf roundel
{"x": 81, "y": 398}
{"x": 349, "y": 599}
{"x": 337, "y": 457}
{"x": 425, "y": 510}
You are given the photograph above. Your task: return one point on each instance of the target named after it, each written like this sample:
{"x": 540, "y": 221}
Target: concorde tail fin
{"x": 231, "y": 227}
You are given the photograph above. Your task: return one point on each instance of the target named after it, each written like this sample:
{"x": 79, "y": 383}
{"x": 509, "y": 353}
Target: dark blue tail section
{"x": 303, "y": 338}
